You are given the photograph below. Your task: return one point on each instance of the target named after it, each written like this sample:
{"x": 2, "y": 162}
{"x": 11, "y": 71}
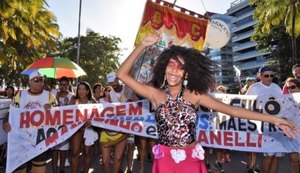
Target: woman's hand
{"x": 150, "y": 40}
{"x": 288, "y": 127}
{"x": 47, "y": 106}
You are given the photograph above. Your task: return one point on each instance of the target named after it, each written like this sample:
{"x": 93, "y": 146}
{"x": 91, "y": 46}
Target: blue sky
{"x": 120, "y": 18}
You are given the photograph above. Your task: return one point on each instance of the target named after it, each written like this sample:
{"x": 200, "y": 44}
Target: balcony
{"x": 251, "y": 65}
{"x": 252, "y": 54}
{"x": 224, "y": 78}
{"x": 237, "y": 5}
{"x": 247, "y": 25}
{"x": 243, "y": 56}
{"x": 235, "y": 19}
{"x": 242, "y": 36}
{"x": 244, "y": 46}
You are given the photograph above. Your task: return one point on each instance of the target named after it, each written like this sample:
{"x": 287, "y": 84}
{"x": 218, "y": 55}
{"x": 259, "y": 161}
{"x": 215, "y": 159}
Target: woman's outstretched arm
{"x": 288, "y": 127}
{"x": 143, "y": 90}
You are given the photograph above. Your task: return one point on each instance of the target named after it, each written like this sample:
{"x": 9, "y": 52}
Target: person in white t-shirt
{"x": 112, "y": 141}
{"x": 266, "y": 88}
{"x": 60, "y": 152}
{"x": 293, "y": 86}
{"x": 33, "y": 98}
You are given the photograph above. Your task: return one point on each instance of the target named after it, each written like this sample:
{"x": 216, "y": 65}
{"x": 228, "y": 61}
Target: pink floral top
{"x": 176, "y": 121}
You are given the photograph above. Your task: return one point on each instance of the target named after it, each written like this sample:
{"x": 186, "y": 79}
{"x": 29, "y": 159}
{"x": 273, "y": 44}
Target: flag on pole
{"x": 179, "y": 27}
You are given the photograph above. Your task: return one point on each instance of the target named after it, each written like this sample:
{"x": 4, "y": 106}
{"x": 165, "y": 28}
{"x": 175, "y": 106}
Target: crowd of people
{"x": 182, "y": 81}
{"x": 109, "y": 145}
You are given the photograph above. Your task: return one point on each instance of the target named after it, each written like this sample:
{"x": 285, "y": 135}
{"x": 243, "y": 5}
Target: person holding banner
{"x": 221, "y": 154}
{"x": 296, "y": 74}
{"x": 85, "y": 137}
{"x": 252, "y": 156}
{"x": 293, "y": 86}
{"x": 60, "y": 152}
{"x": 270, "y": 90}
{"x": 9, "y": 94}
{"x": 181, "y": 78}
{"x": 112, "y": 141}
{"x": 34, "y": 97}
{"x": 98, "y": 94}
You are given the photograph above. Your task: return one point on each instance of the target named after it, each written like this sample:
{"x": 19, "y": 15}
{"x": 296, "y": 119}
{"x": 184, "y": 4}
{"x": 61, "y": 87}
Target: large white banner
{"x": 222, "y": 131}
{"x": 35, "y": 131}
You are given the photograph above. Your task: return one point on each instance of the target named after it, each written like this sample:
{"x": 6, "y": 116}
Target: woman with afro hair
{"x": 181, "y": 78}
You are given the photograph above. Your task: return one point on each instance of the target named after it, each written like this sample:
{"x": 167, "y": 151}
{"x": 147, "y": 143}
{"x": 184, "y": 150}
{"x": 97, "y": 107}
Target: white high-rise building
{"x": 245, "y": 54}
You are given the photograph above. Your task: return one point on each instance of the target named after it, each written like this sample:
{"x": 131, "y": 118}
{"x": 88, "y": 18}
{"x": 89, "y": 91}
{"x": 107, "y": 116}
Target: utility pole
{"x": 78, "y": 42}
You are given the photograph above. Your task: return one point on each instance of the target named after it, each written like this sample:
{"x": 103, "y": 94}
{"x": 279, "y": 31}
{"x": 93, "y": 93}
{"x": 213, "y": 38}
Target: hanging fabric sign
{"x": 182, "y": 27}
{"x": 179, "y": 27}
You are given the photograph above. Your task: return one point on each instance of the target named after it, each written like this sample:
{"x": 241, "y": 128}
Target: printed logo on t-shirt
{"x": 33, "y": 105}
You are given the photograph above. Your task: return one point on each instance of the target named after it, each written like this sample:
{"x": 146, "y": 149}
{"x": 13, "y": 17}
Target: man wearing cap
{"x": 266, "y": 88}
{"x": 34, "y": 97}
{"x": 110, "y": 139}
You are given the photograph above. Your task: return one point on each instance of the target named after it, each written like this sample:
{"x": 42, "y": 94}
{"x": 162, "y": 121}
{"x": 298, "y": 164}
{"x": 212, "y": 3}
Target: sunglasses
{"x": 292, "y": 87}
{"x": 36, "y": 80}
{"x": 268, "y": 75}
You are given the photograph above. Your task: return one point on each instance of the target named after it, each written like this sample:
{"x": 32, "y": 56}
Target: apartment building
{"x": 245, "y": 55}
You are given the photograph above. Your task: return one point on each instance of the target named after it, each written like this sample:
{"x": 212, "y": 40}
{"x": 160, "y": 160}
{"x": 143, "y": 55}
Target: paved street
{"x": 237, "y": 165}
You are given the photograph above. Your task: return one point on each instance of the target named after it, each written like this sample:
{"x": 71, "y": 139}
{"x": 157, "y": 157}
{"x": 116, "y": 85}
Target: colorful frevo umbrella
{"x": 55, "y": 67}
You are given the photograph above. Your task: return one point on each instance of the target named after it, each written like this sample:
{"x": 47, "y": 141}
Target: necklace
{"x": 174, "y": 106}
{"x": 175, "y": 94}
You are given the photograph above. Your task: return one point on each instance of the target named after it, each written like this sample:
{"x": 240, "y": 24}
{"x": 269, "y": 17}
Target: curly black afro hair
{"x": 199, "y": 68}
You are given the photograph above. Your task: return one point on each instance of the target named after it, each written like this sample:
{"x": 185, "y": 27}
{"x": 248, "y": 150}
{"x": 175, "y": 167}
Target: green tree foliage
{"x": 277, "y": 41}
{"x": 284, "y": 13}
{"x": 28, "y": 31}
{"x": 99, "y": 55}
{"x": 277, "y": 12}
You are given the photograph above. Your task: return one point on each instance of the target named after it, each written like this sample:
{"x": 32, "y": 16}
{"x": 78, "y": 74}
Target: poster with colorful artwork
{"x": 175, "y": 27}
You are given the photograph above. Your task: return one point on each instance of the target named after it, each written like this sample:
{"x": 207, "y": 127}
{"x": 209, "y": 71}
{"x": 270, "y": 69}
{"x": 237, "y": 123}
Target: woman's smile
{"x": 174, "y": 72}
{"x": 173, "y": 78}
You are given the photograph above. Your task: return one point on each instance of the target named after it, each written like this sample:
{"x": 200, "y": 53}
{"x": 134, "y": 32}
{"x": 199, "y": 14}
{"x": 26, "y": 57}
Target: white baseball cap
{"x": 35, "y": 74}
{"x": 111, "y": 77}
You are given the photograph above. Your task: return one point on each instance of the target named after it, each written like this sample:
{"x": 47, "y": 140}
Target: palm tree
{"x": 28, "y": 31}
{"x": 275, "y": 12}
